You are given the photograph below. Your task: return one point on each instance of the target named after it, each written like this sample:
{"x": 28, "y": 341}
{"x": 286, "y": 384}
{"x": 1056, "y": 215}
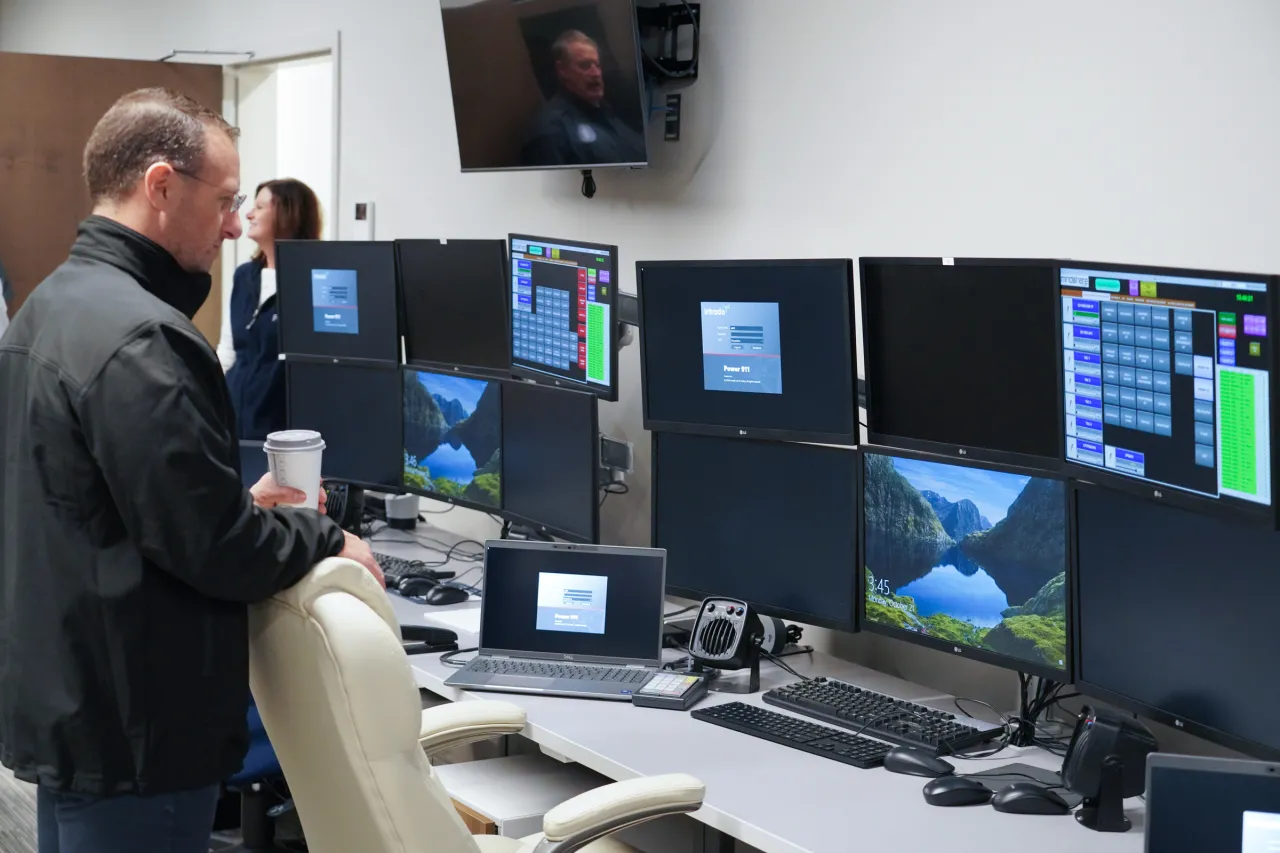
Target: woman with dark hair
{"x": 284, "y": 209}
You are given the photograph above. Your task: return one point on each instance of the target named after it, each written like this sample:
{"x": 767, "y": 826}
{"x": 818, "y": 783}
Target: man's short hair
{"x": 560, "y": 47}
{"x": 141, "y": 129}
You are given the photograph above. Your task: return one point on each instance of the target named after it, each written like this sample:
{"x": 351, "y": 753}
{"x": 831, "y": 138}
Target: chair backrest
{"x": 339, "y": 701}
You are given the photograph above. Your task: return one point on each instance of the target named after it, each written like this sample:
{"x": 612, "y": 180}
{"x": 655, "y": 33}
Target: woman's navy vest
{"x": 257, "y": 378}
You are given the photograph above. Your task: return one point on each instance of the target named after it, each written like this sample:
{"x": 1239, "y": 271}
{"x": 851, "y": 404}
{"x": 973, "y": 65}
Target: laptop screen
{"x": 584, "y": 602}
{"x": 1197, "y": 804}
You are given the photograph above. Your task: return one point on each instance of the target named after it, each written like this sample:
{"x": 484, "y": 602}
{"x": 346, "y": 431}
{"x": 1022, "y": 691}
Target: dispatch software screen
{"x": 574, "y": 603}
{"x": 1168, "y": 380}
{"x": 562, "y": 312}
{"x": 335, "y": 301}
{"x": 741, "y": 349}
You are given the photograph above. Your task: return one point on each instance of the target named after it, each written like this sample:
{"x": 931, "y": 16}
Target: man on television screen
{"x": 577, "y": 125}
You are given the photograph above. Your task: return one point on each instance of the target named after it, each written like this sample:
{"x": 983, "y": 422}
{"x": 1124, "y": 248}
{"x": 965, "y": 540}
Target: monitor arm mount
{"x": 523, "y": 533}
{"x": 617, "y": 460}
{"x": 628, "y": 319}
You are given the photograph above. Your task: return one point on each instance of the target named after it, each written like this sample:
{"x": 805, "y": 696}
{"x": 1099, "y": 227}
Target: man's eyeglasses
{"x": 236, "y": 201}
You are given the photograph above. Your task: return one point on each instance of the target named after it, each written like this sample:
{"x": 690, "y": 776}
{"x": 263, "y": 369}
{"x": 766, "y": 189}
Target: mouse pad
{"x": 999, "y": 777}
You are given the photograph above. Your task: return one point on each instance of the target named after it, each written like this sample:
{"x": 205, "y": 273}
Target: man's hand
{"x": 357, "y": 549}
{"x": 268, "y": 495}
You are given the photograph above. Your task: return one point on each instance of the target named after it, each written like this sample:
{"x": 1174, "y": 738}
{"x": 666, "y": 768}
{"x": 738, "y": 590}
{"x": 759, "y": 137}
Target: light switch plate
{"x": 362, "y": 222}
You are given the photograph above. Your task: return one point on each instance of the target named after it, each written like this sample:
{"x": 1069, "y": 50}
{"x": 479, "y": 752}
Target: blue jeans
{"x": 166, "y": 823}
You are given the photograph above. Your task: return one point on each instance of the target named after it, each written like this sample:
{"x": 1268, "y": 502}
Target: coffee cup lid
{"x": 293, "y": 440}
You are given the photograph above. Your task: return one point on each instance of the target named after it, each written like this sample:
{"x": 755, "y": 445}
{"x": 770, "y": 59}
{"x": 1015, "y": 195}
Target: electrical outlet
{"x": 672, "y": 131}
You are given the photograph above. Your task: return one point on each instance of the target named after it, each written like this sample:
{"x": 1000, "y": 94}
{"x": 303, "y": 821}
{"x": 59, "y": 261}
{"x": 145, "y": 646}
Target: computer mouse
{"x": 417, "y": 586}
{"x": 443, "y": 593}
{"x": 916, "y": 762}
{"x": 956, "y": 791}
{"x": 1028, "y": 798}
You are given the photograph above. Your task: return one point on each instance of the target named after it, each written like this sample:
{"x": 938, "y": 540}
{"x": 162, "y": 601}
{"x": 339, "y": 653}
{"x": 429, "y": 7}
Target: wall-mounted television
{"x": 545, "y": 84}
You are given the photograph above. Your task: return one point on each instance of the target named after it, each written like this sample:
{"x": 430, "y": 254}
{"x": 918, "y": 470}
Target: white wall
{"x": 1124, "y": 130}
{"x": 257, "y": 109}
{"x": 304, "y": 144}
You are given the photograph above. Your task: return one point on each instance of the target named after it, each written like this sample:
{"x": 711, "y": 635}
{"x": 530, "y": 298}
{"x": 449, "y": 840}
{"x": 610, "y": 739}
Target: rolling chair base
{"x": 221, "y": 843}
{"x": 259, "y": 810}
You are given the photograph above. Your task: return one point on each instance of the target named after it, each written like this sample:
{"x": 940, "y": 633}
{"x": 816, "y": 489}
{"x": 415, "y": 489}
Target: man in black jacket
{"x": 129, "y": 550}
{"x": 578, "y": 126}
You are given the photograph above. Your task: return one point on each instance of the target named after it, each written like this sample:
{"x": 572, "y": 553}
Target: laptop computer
{"x": 1223, "y": 805}
{"x": 568, "y": 620}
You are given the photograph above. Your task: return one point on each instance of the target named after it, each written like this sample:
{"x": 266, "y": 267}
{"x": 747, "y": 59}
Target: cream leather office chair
{"x": 339, "y": 701}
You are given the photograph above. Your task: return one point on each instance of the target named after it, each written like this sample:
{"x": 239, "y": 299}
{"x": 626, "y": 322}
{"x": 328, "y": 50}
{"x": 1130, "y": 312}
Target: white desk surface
{"x": 774, "y": 798}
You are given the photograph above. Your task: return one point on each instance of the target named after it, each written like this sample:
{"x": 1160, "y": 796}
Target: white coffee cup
{"x": 294, "y": 458}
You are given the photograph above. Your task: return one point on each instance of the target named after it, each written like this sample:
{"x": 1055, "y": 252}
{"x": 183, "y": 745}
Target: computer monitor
{"x": 453, "y": 302}
{"x": 969, "y": 559}
{"x": 355, "y": 406}
{"x": 1177, "y": 617}
{"x": 957, "y": 360}
{"x": 543, "y": 84}
{"x": 564, "y": 310}
{"x": 767, "y": 522}
{"x": 453, "y": 438}
{"x": 338, "y": 299}
{"x": 758, "y": 349}
{"x": 550, "y": 461}
{"x": 1168, "y": 383}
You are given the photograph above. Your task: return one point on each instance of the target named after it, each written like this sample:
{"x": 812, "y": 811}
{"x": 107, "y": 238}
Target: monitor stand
{"x": 1105, "y": 812}
{"x": 740, "y": 681}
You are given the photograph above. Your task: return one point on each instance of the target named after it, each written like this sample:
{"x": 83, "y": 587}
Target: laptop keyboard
{"x": 580, "y": 672}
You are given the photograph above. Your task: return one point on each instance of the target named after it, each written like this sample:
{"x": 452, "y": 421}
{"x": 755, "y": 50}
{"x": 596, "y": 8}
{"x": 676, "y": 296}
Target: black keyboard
{"x": 881, "y": 716}
{"x": 397, "y": 569}
{"x": 798, "y": 734}
{"x": 580, "y": 672}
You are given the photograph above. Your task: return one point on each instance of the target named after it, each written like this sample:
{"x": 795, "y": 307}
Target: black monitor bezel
{"x": 331, "y": 245}
{"x": 520, "y": 371}
{"x": 538, "y": 526}
{"x": 366, "y": 364}
{"x": 1172, "y": 495}
{"x": 406, "y": 369}
{"x": 964, "y": 453}
{"x": 653, "y": 425}
{"x": 1063, "y": 676}
{"x": 851, "y": 626}
{"x": 1137, "y": 706}
{"x": 402, "y": 309}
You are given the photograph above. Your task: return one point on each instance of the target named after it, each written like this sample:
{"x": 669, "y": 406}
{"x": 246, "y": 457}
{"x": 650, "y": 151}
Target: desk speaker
{"x": 726, "y": 635}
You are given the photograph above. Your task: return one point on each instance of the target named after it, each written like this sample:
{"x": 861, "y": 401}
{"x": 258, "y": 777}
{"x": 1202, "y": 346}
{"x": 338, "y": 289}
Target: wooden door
{"x": 48, "y": 107}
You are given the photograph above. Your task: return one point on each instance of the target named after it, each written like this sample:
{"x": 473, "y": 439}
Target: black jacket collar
{"x": 156, "y": 270}
{"x": 571, "y": 104}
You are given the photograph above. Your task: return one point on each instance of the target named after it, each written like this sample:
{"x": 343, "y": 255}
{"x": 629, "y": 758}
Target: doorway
{"x": 286, "y": 110}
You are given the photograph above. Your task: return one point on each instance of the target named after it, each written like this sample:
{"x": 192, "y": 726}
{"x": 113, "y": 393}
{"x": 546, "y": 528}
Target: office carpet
{"x": 17, "y": 815}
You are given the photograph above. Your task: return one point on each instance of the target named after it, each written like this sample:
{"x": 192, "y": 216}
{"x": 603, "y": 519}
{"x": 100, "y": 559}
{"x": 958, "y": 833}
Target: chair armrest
{"x": 588, "y": 817}
{"x": 460, "y": 723}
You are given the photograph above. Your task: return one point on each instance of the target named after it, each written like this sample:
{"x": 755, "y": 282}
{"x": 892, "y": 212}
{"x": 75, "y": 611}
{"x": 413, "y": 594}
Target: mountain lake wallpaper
{"x": 453, "y": 437}
{"x": 970, "y": 556}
